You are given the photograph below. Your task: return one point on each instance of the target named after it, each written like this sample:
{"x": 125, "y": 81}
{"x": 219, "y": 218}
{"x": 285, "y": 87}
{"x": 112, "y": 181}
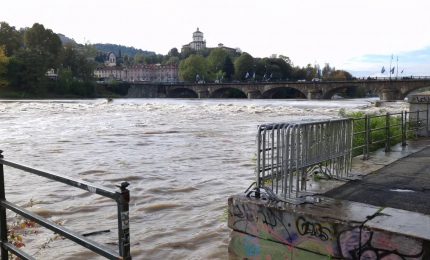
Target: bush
{"x": 378, "y": 131}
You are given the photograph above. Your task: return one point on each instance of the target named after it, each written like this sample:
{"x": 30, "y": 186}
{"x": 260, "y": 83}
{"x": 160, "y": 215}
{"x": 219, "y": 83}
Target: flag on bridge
{"x": 401, "y": 72}
{"x": 392, "y": 70}
{"x": 383, "y": 70}
{"x": 247, "y": 75}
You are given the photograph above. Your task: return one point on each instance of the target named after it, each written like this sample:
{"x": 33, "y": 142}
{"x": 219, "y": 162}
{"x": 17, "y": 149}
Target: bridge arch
{"x": 182, "y": 93}
{"x": 346, "y": 91}
{"x": 228, "y": 92}
{"x": 282, "y": 92}
{"x": 408, "y": 91}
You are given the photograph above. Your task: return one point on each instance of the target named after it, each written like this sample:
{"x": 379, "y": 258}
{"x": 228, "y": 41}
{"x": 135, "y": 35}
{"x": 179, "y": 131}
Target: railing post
{"x": 3, "y": 224}
{"x": 387, "y": 133}
{"x": 366, "y": 137}
{"x": 427, "y": 125}
{"x": 404, "y": 129}
{"x": 123, "y": 222}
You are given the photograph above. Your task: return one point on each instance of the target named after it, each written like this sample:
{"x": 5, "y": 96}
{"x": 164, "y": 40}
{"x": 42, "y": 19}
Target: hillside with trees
{"x": 36, "y": 62}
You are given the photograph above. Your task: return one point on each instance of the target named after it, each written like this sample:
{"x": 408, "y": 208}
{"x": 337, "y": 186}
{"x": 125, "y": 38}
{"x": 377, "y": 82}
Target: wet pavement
{"x": 401, "y": 184}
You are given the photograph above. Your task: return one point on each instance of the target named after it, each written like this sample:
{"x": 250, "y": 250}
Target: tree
{"x": 193, "y": 68}
{"x": 173, "y": 52}
{"x": 216, "y": 59}
{"x": 44, "y": 42}
{"x": 26, "y": 69}
{"x": 172, "y": 61}
{"x": 10, "y": 38}
{"x": 4, "y": 61}
{"x": 187, "y": 52}
{"x": 228, "y": 68}
{"x": 243, "y": 65}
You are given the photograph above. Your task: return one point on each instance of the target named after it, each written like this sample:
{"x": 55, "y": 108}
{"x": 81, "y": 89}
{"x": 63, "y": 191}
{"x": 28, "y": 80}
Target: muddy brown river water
{"x": 182, "y": 158}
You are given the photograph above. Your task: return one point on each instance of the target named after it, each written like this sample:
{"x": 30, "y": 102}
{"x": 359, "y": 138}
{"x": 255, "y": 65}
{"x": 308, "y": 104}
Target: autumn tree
{"x": 4, "y": 60}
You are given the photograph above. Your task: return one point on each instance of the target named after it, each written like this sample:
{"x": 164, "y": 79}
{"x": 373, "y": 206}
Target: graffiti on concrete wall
{"x": 321, "y": 236}
{"x": 272, "y": 224}
{"x": 362, "y": 243}
{"x": 315, "y": 229}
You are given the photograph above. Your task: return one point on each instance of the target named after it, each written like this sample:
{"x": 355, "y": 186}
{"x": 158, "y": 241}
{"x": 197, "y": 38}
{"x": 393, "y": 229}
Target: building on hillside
{"x": 140, "y": 73}
{"x": 111, "y": 60}
{"x": 198, "y": 42}
{"x": 228, "y": 49}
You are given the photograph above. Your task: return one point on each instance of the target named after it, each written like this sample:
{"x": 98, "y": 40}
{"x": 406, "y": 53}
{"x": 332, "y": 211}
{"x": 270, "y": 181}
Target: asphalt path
{"x": 403, "y": 184}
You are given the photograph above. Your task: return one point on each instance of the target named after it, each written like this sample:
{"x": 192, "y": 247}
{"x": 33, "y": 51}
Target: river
{"x": 183, "y": 158}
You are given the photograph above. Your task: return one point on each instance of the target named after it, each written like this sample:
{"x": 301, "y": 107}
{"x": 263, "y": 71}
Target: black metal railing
{"x": 121, "y": 197}
{"x": 383, "y": 131}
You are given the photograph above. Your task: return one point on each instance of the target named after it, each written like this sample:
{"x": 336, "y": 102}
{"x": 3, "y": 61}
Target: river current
{"x": 183, "y": 159}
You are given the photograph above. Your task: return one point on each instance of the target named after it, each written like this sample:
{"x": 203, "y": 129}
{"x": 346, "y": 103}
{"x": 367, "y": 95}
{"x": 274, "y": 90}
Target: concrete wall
{"x": 329, "y": 229}
{"x": 420, "y": 102}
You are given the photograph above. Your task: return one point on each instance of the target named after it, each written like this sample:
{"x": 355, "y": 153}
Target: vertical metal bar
{"x": 272, "y": 159}
{"x": 3, "y": 225}
{"x": 123, "y": 222}
{"x": 257, "y": 181}
{"x": 417, "y": 125}
{"x": 403, "y": 127}
{"x": 387, "y": 133}
{"x": 427, "y": 127}
{"x": 366, "y": 137}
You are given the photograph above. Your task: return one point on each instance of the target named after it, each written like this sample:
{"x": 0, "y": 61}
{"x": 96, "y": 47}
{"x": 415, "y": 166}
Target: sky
{"x": 360, "y": 36}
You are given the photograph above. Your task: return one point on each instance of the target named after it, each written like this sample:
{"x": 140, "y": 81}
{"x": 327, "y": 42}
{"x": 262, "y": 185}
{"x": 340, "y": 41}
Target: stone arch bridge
{"x": 386, "y": 89}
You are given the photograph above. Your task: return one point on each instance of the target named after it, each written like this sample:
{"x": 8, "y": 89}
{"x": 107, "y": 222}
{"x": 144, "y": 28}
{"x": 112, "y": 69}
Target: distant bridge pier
{"x": 314, "y": 95}
{"x": 203, "y": 94}
{"x": 253, "y": 94}
{"x": 389, "y": 95}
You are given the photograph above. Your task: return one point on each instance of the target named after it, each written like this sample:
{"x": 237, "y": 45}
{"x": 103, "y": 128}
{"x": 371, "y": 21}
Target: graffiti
{"x": 421, "y": 99}
{"x": 305, "y": 227}
{"x": 358, "y": 243}
{"x": 242, "y": 213}
{"x": 272, "y": 220}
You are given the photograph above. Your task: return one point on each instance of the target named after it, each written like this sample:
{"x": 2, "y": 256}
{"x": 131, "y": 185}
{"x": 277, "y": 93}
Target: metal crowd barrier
{"x": 121, "y": 197}
{"x": 288, "y": 152}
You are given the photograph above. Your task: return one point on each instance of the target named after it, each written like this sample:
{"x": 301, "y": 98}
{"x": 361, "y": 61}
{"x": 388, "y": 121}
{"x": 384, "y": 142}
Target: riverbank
{"x": 381, "y": 211}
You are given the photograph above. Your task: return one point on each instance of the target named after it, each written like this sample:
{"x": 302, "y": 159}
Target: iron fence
{"x": 121, "y": 198}
{"x": 288, "y": 152}
{"x": 372, "y": 132}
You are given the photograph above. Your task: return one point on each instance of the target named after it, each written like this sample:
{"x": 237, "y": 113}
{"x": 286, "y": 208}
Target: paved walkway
{"x": 403, "y": 184}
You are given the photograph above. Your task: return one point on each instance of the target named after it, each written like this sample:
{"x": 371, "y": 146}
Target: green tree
{"x": 173, "y": 53}
{"x": 4, "y": 61}
{"x": 10, "y": 38}
{"x": 44, "y": 42}
{"x": 243, "y": 65}
{"x": 193, "y": 68}
{"x": 228, "y": 68}
{"x": 186, "y": 52}
{"x": 216, "y": 59}
{"x": 172, "y": 61}
{"x": 26, "y": 70}
{"x": 139, "y": 58}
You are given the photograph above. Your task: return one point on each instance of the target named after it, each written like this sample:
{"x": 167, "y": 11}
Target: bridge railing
{"x": 287, "y": 153}
{"x": 372, "y": 132}
{"x": 121, "y": 198}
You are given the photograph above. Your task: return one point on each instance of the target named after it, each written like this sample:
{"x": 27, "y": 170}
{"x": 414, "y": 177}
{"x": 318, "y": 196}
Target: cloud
{"x": 415, "y": 62}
